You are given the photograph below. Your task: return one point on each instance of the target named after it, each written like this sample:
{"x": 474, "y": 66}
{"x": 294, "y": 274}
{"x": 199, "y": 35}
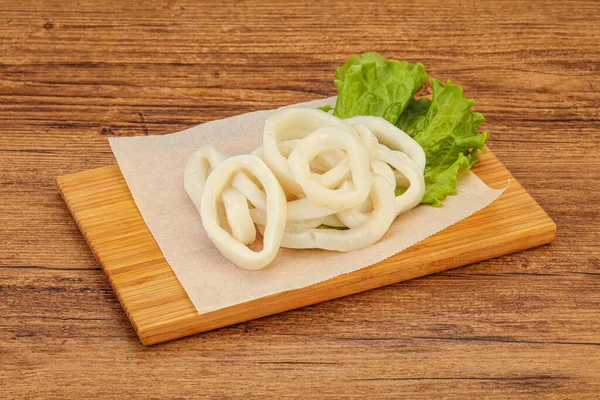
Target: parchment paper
{"x": 153, "y": 168}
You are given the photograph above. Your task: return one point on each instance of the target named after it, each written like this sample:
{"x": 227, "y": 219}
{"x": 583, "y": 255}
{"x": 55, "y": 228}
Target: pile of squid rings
{"x": 317, "y": 181}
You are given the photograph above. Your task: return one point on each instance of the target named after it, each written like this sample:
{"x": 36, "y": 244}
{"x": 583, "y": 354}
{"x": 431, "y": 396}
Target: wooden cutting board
{"x": 160, "y": 310}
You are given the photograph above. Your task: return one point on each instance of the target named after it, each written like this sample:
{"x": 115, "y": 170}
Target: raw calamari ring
{"x": 312, "y": 169}
{"x": 333, "y": 168}
{"x": 197, "y": 169}
{"x": 259, "y": 217}
{"x": 382, "y": 168}
{"x": 369, "y": 232}
{"x": 242, "y": 182}
{"x": 232, "y": 249}
{"x": 334, "y": 163}
{"x": 258, "y": 152}
{"x": 302, "y": 225}
{"x": 287, "y": 124}
{"x": 307, "y": 209}
{"x": 238, "y": 216}
{"x": 335, "y": 176}
{"x": 340, "y": 171}
{"x": 357, "y": 215}
{"x": 415, "y": 192}
{"x": 393, "y": 137}
{"x": 333, "y": 221}
{"x": 286, "y": 147}
{"x": 324, "y": 162}
{"x": 297, "y": 210}
{"x": 326, "y": 139}
{"x": 368, "y": 139}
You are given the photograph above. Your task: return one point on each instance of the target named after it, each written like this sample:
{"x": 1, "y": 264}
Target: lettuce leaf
{"x": 399, "y": 191}
{"x": 446, "y": 128}
{"x": 371, "y": 85}
{"x": 325, "y": 108}
{"x": 413, "y": 115}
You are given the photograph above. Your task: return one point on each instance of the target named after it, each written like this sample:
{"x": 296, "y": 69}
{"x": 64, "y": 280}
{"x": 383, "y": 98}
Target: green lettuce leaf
{"x": 371, "y": 85}
{"x": 412, "y": 116}
{"x": 325, "y": 108}
{"x": 400, "y": 191}
{"x": 446, "y": 128}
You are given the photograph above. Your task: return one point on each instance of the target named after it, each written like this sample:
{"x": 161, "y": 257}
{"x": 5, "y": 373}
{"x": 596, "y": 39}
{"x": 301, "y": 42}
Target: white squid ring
{"x": 232, "y": 249}
{"x": 368, "y": 139}
{"x": 369, "y": 232}
{"x": 197, "y": 169}
{"x": 359, "y": 214}
{"x": 325, "y": 139}
{"x": 312, "y": 169}
{"x": 393, "y": 137}
{"x": 307, "y": 209}
{"x": 238, "y": 216}
{"x": 242, "y": 182}
{"x": 382, "y": 168}
{"x": 333, "y": 221}
{"x": 328, "y": 160}
{"x": 287, "y": 124}
{"x": 415, "y": 192}
{"x": 335, "y": 170}
{"x": 315, "y": 214}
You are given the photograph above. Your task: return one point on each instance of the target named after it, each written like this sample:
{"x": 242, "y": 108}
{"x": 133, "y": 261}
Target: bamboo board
{"x": 160, "y": 310}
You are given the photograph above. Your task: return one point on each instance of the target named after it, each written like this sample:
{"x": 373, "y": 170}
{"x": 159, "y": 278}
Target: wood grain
{"x": 523, "y": 325}
{"x": 160, "y": 310}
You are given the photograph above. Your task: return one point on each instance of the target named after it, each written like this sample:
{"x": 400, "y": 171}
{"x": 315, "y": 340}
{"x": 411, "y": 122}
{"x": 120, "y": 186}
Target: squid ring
{"x": 288, "y": 124}
{"x": 307, "y": 209}
{"x": 242, "y": 182}
{"x": 382, "y": 168}
{"x": 328, "y": 160}
{"x": 238, "y": 216}
{"x": 335, "y": 176}
{"x": 259, "y": 217}
{"x": 325, "y": 139}
{"x": 392, "y": 136}
{"x": 333, "y": 221}
{"x": 368, "y": 139}
{"x": 334, "y": 172}
{"x": 196, "y": 171}
{"x": 411, "y": 171}
{"x": 367, "y": 233}
{"x": 357, "y": 215}
{"x": 312, "y": 169}
{"x": 232, "y": 249}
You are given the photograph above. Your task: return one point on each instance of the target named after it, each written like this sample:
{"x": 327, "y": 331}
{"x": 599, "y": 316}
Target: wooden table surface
{"x": 520, "y": 326}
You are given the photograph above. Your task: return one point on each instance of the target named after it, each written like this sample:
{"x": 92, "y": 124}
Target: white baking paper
{"x": 153, "y": 168}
